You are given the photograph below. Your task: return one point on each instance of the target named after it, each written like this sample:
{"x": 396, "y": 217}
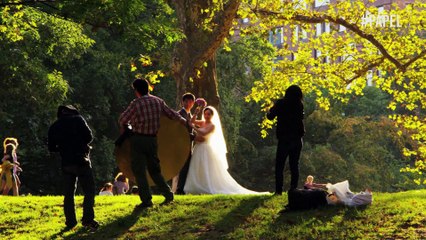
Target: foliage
{"x": 343, "y": 59}
{"x": 81, "y": 53}
{"x": 87, "y": 53}
{"x": 365, "y": 150}
{"x": 104, "y": 163}
{"x": 129, "y": 44}
{"x": 143, "y": 30}
{"x": 391, "y": 216}
{"x": 238, "y": 68}
{"x": 35, "y": 46}
{"x": 372, "y": 102}
{"x": 368, "y": 153}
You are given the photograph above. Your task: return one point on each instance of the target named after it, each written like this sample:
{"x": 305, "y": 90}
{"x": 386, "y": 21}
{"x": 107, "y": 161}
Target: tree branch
{"x": 365, "y": 69}
{"x": 224, "y": 23}
{"x": 353, "y": 27}
{"x": 422, "y": 54}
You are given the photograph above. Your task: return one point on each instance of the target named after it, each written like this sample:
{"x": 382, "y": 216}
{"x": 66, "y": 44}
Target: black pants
{"x": 291, "y": 149}
{"x": 144, "y": 157}
{"x": 84, "y": 175}
{"x": 183, "y": 174}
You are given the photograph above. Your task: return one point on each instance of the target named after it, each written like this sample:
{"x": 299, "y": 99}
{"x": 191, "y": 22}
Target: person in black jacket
{"x": 290, "y": 130}
{"x": 188, "y": 100}
{"x": 70, "y": 136}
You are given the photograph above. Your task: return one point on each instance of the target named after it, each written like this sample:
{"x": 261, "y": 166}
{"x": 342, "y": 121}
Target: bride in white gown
{"x": 208, "y": 169}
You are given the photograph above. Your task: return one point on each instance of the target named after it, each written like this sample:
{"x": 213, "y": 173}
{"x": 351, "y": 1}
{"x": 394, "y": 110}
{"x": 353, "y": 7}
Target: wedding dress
{"x": 347, "y": 197}
{"x": 208, "y": 169}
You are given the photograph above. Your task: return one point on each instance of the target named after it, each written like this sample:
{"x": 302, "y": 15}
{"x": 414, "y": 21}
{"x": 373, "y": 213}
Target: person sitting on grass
{"x": 134, "y": 190}
{"x": 309, "y": 184}
{"x": 121, "y": 184}
{"x": 106, "y": 190}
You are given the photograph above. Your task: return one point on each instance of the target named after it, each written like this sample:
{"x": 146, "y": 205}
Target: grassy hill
{"x": 391, "y": 216}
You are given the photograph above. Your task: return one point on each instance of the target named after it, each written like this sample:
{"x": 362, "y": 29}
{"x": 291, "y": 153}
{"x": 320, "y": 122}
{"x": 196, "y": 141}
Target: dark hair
{"x": 107, "y": 185}
{"x": 141, "y": 85}
{"x": 189, "y": 96}
{"x": 207, "y": 108}
{"x": 293, "y": 93}
{"x": 9, "y": 149}
{"x": 135, "y": 189}
{"x": 120, "y": 177}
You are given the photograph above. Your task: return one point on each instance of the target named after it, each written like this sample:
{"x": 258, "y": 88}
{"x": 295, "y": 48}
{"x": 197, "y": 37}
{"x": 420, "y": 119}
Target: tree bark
{"x": 194, "y": 58}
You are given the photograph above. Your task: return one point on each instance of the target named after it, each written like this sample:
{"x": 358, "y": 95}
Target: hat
{"x": 67, "y": 110}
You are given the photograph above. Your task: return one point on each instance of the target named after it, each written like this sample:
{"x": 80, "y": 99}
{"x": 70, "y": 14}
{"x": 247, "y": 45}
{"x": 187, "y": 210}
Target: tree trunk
{"x": 194, "y": 58}
{"x": 206, "y": 85}
{"x": 203, "y": 84}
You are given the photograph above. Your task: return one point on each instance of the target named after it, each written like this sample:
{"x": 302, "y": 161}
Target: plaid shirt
{"x": 144, "y": 112}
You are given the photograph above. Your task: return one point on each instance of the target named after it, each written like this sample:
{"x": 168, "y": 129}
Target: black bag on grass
{"x": 301, "y": 199}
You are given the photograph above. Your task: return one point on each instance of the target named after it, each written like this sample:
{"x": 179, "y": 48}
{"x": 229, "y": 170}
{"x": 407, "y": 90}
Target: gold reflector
{"x": 173, "y": 150}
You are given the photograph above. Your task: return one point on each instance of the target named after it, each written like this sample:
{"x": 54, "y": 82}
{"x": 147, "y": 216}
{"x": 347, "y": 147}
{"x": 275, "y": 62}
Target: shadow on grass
{"x": 304, "y": 221}
{"x": 233, "y": 219}
{"x": 301, "y": 216}
{"x": 112, "y": 230}
{"x": 190, "y": 225}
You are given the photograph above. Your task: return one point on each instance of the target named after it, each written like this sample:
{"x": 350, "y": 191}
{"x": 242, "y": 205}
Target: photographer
{"x": 70, "y": 136}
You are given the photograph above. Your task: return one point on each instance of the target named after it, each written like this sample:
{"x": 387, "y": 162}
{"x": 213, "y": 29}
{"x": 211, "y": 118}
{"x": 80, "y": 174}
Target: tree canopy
{"x": 60, "y": 54}
{"x": 88, "y": 52}
{"x": 394, "y": 57}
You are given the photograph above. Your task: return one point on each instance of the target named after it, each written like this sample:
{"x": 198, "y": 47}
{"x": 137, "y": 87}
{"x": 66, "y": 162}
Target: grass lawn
{"x": 391, "y": 216}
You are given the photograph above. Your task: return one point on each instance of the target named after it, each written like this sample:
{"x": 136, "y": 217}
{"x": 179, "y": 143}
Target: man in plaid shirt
{"x": 143, "y": 114}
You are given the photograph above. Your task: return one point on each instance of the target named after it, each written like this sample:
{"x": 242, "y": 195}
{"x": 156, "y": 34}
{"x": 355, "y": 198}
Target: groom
{"x": 188, "y": 100}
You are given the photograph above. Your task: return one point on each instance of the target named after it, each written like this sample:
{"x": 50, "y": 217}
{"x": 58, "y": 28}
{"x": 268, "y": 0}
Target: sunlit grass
{"x": 392, "y": 216}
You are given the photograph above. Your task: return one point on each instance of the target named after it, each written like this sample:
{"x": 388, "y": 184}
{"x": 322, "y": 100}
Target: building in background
{"x": 291, "y": 36}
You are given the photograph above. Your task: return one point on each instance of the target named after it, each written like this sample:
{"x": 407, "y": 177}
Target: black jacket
{"x": 290, "y": 119}
{"x": 70, "y": 136}
{"x": 188, "y": 117}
